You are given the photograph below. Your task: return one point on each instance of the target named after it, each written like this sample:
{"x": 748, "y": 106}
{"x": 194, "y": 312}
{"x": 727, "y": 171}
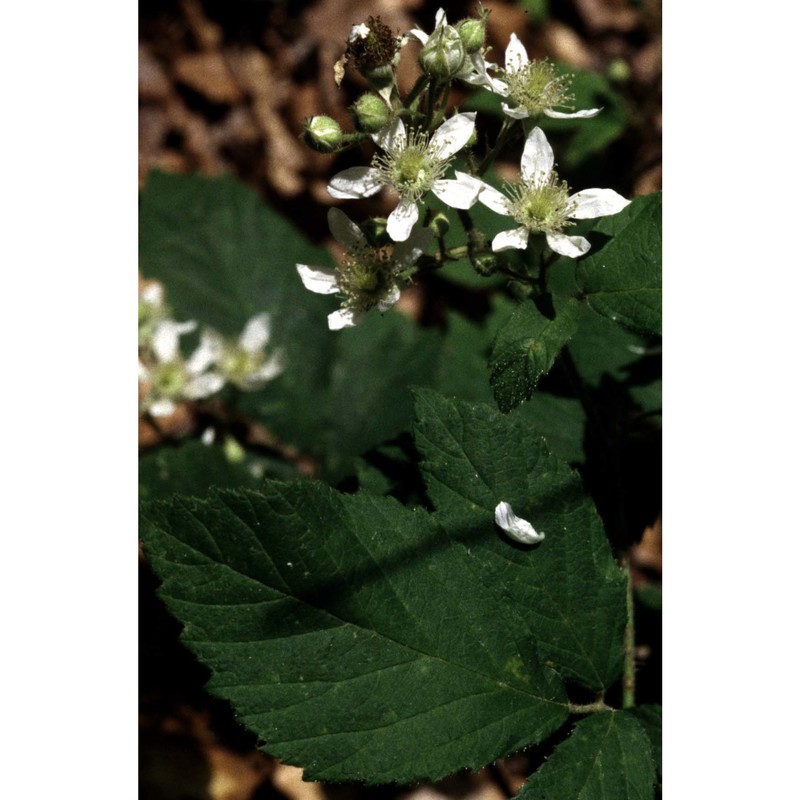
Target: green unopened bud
{"x": 472, "y": 33}
{"x": 375, "y": 231}
{"x": 322, "y": 134}
{"x": 370, "y": 113}
{"x": 444, "y": 54}
{"x": 440, "y": 225}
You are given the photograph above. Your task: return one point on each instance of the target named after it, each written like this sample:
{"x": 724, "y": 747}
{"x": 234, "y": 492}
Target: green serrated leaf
{"x": 622, "y": 278}
{"x": 607, "y": 755}
{"x": 350, "y": 633}
{"x": 568, "y": 591}
{"x": 526, "y": 347}
{"x": 649, "y": 717}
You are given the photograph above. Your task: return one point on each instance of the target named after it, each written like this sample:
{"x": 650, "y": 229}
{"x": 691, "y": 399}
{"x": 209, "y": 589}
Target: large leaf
{"x": 526, "y": 347}
{"x": 622, "y": 277}
{"x": 351, "y": 634}
{"x": 569, "y": 592}
{"x": 607, "y": 755}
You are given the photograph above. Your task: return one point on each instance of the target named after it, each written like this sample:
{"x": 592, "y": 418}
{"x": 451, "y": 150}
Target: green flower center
{"x": 169, "y": 380}
{"x": 537, "y": 86}
{"x": 543, "y": 206}
{"x": 366, "y": 276}
{"x": 411, "y": 169}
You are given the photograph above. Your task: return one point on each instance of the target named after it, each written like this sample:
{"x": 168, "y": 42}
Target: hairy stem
{"x": 629, "y": 664}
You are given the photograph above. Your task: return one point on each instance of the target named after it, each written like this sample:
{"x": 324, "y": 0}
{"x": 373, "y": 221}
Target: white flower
{"x": 535, "y": 88}
{"x": 517, "y": 528}
{"x": 413, "y": 164}
{"x": 368, "y": 275}
{"x": 245, "y": 363}
{"x": 169, "y": 378}
{"x": 542, "y": 204}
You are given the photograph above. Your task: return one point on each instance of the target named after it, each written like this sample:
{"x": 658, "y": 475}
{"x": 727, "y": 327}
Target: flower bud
{"x": 370, "y": 113}
{"x": 443, "y": 55}
{"x": 472, "y": 33}
{"x": 322, "y": 134}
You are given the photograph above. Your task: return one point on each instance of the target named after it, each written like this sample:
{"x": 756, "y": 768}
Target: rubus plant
{"x": 452, "y": 585}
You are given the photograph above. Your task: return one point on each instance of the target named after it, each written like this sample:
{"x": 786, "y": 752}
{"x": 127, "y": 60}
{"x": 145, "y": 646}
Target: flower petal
{"x": 270, "y": 369}
{"x": 421, "y": 35}
{"x": 406, "y": 253}
{"x": 586, "y": 113}
{"x": 495, "y": 200}
{"x": 208, "y": 351}
{"x": 203, "y": 385}
{"x": 516, "y": 54}
{"x": 520, "y": 112}
{"x": 345, "y": 231}
{"x": 343, "y": 318}
{"x": 401, "y": 220}
{"x": 165, "y": 338}
{"x": 162, "y": 408}
{"x": 517, "y": 528}
{"x": 256, "y": 332}
{"x": 593, "y": 203}
{"x": 355, "y": 182}
{"x": 391, "y": 136}
{"x": 515, "y": 239}
{"x": 537, "y": 157}
{"x": 389, "y": 300}
{"x": 152, "y": 294}
{"x": 441, "y": 18}
{"x": 321, "y": 281}
{"x": 453, "y": 134}
{"x": 460, "y": 193}
{"x": 571, "y": 246}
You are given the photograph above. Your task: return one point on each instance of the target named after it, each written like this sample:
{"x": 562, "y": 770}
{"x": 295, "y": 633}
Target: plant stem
{"x": 629, "y": 664}
{"x": 502, "y": 139}
{"x": 589, "y": 708}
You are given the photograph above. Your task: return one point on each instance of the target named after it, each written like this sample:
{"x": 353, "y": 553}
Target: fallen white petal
{"x": 453, "y": 134}
{"x": 587, "y": 113}
{"x": 537, "y": 157}
{"x": 516, "y": 54}
{"x": 495, "y": 200}
{"x": 460, "y": 193}
{"x": 355, "y": 182}
{"x": 517, "y": 528}
{"x": 345, "y": 231}
{"x": 516, "y": 239}
{"x": 315, "y": 279}
{"x": 401, "y": 220}
{"x": 343, "y": 318}
{"x": 571, "y": 246}
{"x": 256, "y": 332}
{"x": 593, "y": 203}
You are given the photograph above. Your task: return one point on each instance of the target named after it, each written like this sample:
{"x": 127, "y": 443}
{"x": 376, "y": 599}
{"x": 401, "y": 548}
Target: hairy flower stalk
{"x": 368, "y": 276}
{"x": 413, "y": 164}
{"x": 541, "y": 203}
{"x": 534, "y": 88}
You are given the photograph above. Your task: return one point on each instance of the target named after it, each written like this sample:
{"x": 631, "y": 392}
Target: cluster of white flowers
{"x": 417, "y": 144}
{"x": 167, "y": 377}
